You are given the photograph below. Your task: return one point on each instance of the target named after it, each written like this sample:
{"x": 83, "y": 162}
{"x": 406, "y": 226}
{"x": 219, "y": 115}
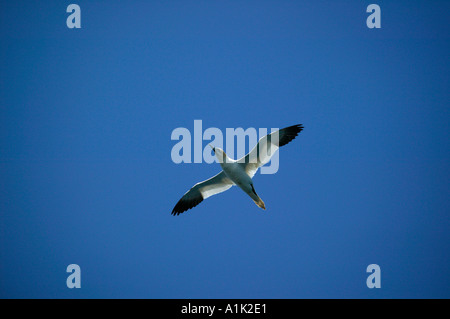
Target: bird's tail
{"x": 260, "y": 203}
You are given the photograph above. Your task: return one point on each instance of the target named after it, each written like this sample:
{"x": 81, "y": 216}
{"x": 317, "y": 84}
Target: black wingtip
{"x": 296, "y": 128}
{"x": 184, "y": 205}
{"x": 289, "y": 133}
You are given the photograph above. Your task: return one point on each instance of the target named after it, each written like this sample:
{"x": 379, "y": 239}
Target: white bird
{"x": 238, "y": 172}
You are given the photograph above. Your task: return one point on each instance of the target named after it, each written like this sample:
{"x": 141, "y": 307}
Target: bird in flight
{"x": 238, "y": 172}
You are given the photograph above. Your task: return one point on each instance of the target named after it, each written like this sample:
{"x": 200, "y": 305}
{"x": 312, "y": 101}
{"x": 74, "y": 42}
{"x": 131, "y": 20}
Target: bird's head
{"x": 220, "y": 154}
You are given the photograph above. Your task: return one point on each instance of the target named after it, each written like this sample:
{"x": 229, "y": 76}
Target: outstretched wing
{"x": 200, "y": 191}
{"x": 267, "y": 146}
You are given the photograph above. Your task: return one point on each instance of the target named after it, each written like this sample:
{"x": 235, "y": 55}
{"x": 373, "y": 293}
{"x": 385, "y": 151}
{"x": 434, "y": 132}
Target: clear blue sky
{"x": 86, "y": 175}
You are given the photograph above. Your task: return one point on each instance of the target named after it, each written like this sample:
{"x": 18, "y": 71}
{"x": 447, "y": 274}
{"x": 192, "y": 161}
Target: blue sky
{"x": 86, "y": 175}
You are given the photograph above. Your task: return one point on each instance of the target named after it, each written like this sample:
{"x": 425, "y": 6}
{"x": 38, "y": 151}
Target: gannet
{"x": 238, "y": 172}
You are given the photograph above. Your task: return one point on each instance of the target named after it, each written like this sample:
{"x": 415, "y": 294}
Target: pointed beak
{"x": 213, "y": 148}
